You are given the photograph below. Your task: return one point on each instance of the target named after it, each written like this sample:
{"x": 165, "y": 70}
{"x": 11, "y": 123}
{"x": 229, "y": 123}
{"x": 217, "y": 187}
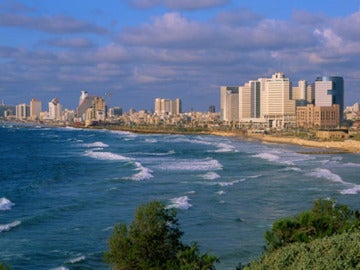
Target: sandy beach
{"x": 351, "y": 146}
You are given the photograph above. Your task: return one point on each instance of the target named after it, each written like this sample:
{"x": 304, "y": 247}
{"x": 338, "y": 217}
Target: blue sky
{"x": 142, "y": 49}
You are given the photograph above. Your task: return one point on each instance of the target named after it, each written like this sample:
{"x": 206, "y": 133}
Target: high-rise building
{"x": 167, "y": 106}
{"x": 329, "y": 90}
{"x": 35, "y": 109}
{"x": 22, "y": 111}
{"x": 229, "y": 103}
{"x": 299, "y": 92}
{"x": 54, "y": 109}
{"x": 277, "y": 107}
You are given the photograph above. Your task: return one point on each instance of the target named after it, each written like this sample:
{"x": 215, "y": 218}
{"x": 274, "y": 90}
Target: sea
{"x": 62, "y": 190}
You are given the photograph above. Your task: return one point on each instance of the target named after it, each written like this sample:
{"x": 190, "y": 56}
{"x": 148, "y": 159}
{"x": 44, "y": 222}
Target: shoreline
{"x": 326, "y": 147}
{"x": 346, "y": 146}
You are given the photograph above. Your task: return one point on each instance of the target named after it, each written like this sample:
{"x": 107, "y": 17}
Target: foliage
{"x": 324, "y": 219}
{"x": 4, "y": 267}
{"x": 152, "y": 241}
{"x": 335, "y": 252}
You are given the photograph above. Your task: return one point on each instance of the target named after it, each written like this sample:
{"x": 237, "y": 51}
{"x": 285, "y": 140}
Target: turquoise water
{"x": 63, "y": 189}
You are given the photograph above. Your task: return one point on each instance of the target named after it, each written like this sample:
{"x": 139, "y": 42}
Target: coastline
{"x": 346, "y": 146}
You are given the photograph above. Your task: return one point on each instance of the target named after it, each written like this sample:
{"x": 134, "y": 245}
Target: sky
{"x": 133, "y": 51}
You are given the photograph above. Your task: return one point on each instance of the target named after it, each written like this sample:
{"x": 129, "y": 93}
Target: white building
{"x": 54, "y": 110}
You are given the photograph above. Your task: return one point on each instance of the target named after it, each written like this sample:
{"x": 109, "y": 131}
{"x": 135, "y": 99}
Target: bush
{"x": 152, "y": 241}
{"x": 335, "y": 252}
{"x": 324, "y": 219}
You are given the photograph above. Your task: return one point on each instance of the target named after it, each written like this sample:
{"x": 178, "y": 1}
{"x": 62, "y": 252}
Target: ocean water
{"x": 63, "y": 189}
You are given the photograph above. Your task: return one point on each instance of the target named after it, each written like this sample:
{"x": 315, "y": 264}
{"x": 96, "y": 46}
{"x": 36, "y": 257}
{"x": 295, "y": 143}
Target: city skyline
{"x": 138, "y": 50}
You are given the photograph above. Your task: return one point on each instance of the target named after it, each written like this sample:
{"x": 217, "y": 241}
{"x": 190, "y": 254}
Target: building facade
{"x": 35, "y": 109}
{"x": 329, "y": 90}
{"x": 22, "y": 111}
{"x": 229, "y": 103}
{"x": 311, "y": 116}
{"x": 164, "y": 106}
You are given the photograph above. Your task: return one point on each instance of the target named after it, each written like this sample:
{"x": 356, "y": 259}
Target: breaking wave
{"x": 143, "y": 174}
{"x": 206, "y": 164}
{"x": 5, "y": 204}
{"x": 180, "y": 203}
{"x": 8, "y": 227}
{"x": 210, "y": 176}
{"x": 96, "y": 144}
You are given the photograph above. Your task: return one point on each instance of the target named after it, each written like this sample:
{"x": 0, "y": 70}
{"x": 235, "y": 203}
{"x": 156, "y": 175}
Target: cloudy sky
{"x": 138, "y": 50}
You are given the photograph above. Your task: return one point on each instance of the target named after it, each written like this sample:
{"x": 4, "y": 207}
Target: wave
{"x": 180, "y": 203}
{"x": 355, "y": 189}
{"x": 221, "y": 192}
{"x": 8, "y": 227}
{"x": 327, "y": 174}
{"x": 225, "y": 184}
{"x": 206, "y": 164}
{"x": 96, "y": 144}
{"x": 210, "y": 176}
{"x": 77, "y": 259}
{"x": 106, "y": 156}
{"x": 143, "y": 174}
{"x": 60, "y": 268}
{"x": 5, "y": 204}
{"x": 294, "y": 169}
{"x": 151, "y": 140}
{"x": 224, "y": 148}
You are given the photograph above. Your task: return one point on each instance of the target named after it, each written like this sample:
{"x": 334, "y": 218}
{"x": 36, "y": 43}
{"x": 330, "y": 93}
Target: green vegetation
{"x": 324, "y": 219}
{"x": 325, "y": 237}
{"x": 4, "y": 267}
{"x": 336, "y": 252}
{"x": 152, "y": 241}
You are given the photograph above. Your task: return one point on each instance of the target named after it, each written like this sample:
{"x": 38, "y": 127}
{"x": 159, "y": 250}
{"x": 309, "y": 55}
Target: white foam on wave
{"x": 180, "y": 203}
{"x": 8, "y": 227}
{"x": 327, "y": 174}
{"x": 207, "y": 164}
{"x": 355, "y": 189}
{"x": 60, "y": 268}
{"x": 77, "y": 259}
{"x": 96, "y": 144}
{"x": 268, "y": 156}
{"x": 106, "y": 156}
{"x": 151, "y": 140}
{"x": 294, "y": 169}
{"x": 210, "y": 176}
{"x": 143, "y": 173}
{"x": 5, "y": 204}
{"x": 231, "y": 183}
{"x": 221, "y": 192}
{"x": 224, "y": 148}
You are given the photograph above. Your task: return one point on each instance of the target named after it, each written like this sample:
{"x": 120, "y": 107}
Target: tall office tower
{"x": 229, "y": 103}
{"x": 166, "y": 106}
{"x": 22, "y": 111}
{"x": 255, "y": 99}
{"x": 157, "y": 106}
{"x": 175, "y": 106}
{"x": 279, "y": 109}
{"x": 55, "y": 109}
{"x": 299, "y": 92}
{"x": 329, "y": 90}
{"x": 245, "y": 102}
{"x": 310, "y": 93}
{"x": 35, "y": 109}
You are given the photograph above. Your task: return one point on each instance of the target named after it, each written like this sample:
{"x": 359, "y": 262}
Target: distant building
{"x": 212, "y": 109}
{"x": 35, "y": 109}
{"x": 311, "y": 116}
{"x": 167, "y": 106}
{"x": 229, "y": 103}
{"x": 91, "y": 108}
{"x": 278, "y": 109}
{"x": 55, "y": 109}
{"x": 299, "y": 92}
{"x": 22, "y": 111}
{"x": 330, "y": 91}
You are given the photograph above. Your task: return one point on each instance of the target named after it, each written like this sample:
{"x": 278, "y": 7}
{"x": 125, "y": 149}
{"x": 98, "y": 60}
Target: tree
{"x": 152, "y": 241}
{"x": 3, "y": 267}
{"x": 324, "y": 219}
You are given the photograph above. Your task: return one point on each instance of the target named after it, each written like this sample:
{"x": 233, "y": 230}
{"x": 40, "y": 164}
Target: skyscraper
{"x": 35, "y": 109}
{"x": 329, "y": 90}
{"x": 229, "y": 103}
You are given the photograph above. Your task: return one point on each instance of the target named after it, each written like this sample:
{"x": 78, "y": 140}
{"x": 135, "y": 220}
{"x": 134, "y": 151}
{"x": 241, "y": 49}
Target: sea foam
{"x": 8, "y": 227}
{"x": 96, "y": 144}
{"x": 106, "y": 156}
{"x": 5, "y": 204}
{"x": 327, "y": 174}
{"x": 180, "y": 203}
{"x": 206, "y": 164}
{"x": 210, "y": 176}
{"x": 143, "y": 174}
